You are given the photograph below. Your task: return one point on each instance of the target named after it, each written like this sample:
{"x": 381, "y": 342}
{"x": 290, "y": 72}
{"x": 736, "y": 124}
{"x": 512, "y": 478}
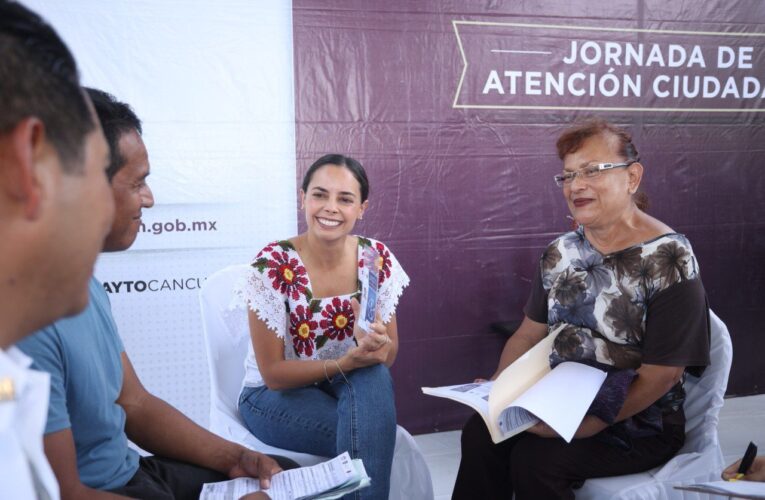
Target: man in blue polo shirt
{"x": 97, "y": 401}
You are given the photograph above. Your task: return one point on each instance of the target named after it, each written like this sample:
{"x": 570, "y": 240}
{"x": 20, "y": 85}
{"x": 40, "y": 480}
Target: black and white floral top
{"x": 278, "y": 289}
{"x": 643, "y": 304}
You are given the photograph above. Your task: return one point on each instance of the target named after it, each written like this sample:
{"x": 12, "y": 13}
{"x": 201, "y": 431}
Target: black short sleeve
{"x": 536, "y": 305}
{"x": 677, "y": 327}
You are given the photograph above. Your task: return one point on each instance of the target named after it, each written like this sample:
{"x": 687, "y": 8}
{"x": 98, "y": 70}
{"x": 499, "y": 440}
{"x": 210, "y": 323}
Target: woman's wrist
{"x": 344, "y": 363}
{"x": 590, "y": 426}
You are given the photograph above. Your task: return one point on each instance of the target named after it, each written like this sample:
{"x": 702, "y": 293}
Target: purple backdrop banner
{"x": 454, "y": 109}
{"x": 606, "y": 68}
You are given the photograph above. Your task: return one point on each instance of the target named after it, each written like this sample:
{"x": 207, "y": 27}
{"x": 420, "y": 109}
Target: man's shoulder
{"x": 76, "y": 329}
{"x": 97, "y": 293}
{"x": 98, "y": 309}
{"x": 44, "y": 338}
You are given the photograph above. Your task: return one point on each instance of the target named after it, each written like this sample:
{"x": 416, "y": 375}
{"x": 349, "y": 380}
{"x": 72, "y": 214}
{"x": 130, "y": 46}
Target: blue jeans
{"x": 357, "y": 416}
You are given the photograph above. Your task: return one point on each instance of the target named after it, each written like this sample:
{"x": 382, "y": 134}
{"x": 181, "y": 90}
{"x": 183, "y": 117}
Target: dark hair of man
{"x": 38, "y": 77}
{"x": 117, "y": 118}
{"x": 573, "y": 137}
{"x": 341, "y": 161}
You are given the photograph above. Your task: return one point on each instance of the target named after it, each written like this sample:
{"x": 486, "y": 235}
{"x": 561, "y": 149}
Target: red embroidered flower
{"x": 288, "y": 276}
{"x": 338, "y": 319}
{"x": 383, "y": 261}
{"x": 302, "y": 328}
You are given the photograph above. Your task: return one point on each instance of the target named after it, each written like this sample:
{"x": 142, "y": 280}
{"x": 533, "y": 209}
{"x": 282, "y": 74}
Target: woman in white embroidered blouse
{"x": 315, "y": 382}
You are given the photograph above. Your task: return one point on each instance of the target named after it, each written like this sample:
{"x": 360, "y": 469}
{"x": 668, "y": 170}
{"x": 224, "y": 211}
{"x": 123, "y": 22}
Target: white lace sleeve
{"x": 391, "y": 289}
{"x": 254, "y": 290}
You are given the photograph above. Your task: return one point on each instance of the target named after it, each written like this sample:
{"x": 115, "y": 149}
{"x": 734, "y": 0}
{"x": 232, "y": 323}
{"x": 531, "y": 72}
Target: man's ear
{"x": 22, "y": 150}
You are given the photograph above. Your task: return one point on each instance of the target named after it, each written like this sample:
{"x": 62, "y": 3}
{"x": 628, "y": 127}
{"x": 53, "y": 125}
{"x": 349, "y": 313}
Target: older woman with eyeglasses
{"x": 624, "y": 289}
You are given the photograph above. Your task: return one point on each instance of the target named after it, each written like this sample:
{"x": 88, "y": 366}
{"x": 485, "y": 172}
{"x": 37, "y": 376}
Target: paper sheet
{"x": 290, "y": 484}
{"x": 570, "y": 387}
{"x": 739, "y": 489}
{"x": 475, "y": 395}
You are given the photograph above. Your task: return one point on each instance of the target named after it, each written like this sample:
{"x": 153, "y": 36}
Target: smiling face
{"x": 131, "y": 193}
{"x": 82, "y": 214}
{"x": 601, "y": 201}
{"x": 332, "y": 202}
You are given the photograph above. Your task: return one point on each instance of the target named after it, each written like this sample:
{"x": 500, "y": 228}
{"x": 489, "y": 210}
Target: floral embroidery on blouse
{"x": 278, "y": 289}
{"x": 303, "y": 330}
{"x": 383, "y": 260}
{"x": 338, "y": 319}
{"x": 287, "y": 274}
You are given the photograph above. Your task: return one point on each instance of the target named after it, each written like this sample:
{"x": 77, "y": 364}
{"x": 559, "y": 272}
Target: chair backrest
{"x": 705, "y": 394}
{"x": 226, "y": 339}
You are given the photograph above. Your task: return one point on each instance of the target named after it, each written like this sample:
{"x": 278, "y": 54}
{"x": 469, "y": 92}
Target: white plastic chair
{"x": 700, "y": 459}
{"x": 226, "y": 338}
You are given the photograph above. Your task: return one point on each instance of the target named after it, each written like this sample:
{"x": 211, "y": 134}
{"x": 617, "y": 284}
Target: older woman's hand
{"x": 541, "y": 429}
{"x": 590, "y": 426}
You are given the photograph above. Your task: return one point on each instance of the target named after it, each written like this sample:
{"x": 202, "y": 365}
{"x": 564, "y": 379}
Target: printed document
{"x": 528, "y": 391}
{"x": 327, "y": 480}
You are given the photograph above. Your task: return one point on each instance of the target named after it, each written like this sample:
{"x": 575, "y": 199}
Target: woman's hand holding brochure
{"x": 373, "y": 346}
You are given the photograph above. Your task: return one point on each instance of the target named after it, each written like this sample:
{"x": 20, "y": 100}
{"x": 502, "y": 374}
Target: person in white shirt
{"x": 55, "y": 211}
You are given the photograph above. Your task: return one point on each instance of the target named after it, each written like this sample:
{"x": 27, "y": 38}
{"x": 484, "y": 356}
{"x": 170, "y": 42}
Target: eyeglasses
{"x": 589, "y": 172}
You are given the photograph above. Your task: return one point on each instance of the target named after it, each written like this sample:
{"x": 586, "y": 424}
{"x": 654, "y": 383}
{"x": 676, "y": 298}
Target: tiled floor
{"x": 741, "y": 420}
